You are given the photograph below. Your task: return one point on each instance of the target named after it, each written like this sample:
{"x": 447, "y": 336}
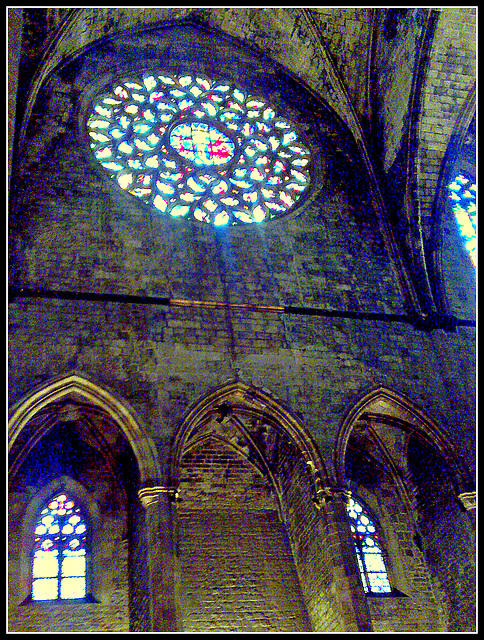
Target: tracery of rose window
{"x": 201, "y": 149}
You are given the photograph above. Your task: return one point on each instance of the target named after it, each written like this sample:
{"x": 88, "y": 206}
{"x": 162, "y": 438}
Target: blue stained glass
{"x": 202, "y": 144}
{"x": 373, "y": 572}
{"x": 192, "y": 132}
{"x": 463, "y": 194}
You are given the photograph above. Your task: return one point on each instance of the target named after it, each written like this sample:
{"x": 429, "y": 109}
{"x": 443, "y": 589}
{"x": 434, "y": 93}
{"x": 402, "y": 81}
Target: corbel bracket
{"x": 323, "y": 495}
{"x": 468, "y": 500}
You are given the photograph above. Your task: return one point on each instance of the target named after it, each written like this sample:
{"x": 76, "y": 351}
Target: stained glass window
{"x": 463, "y": 195}
{"x": 371, "y": 563}
{"x": 59, "y": 563}
{"x": 192, "y": 147}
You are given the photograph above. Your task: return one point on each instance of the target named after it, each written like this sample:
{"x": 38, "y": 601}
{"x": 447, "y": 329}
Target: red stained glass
{"x": 60, "y": 552}
{"x": 196, "y": 132}
{"x": 373, "y": 572}
{"x": 202, "y": 144}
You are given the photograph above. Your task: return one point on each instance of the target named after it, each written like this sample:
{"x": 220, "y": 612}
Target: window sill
{"x": 89, "y": 599}
{"x": 395, "y": 593}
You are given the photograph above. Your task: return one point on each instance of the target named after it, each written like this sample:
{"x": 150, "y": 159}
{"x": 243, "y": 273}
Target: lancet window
{"x": 369, "y": 551}
{"x": 463, "y": 195}
{"x": 60, "y": 553}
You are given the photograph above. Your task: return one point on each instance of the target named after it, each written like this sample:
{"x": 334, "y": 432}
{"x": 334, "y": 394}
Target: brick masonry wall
{"x": 451, "y": 74}
{"x": 237, "y": 573}
{"x": 448, "y": 535}
{"x": 159, "y": 364}
{"x": 236, "y": 570}
{"x": 313, "y": 552}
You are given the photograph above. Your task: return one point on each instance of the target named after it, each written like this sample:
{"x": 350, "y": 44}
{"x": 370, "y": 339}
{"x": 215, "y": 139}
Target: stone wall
{"x": 73, "y": 230}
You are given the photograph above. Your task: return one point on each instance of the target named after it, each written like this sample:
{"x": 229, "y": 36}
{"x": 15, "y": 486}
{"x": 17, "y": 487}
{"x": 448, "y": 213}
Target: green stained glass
{"x": 165, "y": 139}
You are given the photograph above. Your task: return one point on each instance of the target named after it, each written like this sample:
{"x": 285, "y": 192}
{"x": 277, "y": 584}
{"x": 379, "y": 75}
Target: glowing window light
{"x": 188, "y": 131}
{"x": 463, "y": 196}
{"x": 371, "y": 563}
{"x": 59, "y": 564}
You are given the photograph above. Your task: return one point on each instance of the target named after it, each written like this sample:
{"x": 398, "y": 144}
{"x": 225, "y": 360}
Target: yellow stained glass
{"x": 44, "y": 589}
{"x": 46, "y": 565}
{"x": 59, "y": 562}
{"x": 72, "y": 588}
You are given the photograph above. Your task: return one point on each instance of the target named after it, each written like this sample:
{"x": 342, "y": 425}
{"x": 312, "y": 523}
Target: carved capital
{"x": 331, "y": 494}
{"x": 321, "y": 494}
{"x": 151, "y": 495}
{"x": 468, "y": 500}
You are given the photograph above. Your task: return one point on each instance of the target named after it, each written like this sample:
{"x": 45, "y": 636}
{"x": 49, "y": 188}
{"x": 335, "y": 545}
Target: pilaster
{"x": 158, "y": 504}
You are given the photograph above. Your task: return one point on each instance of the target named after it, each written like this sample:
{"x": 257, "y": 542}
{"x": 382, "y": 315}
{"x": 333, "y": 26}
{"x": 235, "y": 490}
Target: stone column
{"x": 158, "y": 503}
{"x": 346, "y": 586}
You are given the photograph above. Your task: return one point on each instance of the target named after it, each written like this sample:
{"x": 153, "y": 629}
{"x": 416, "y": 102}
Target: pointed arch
{"x": 78, "y": 387}
{"x": 405, "y": 414}
{"x": 83, "y": 28}
{"x": 250, "y": 399}
{"x": 240, "y": 459}
{"x": 452, "y": 160}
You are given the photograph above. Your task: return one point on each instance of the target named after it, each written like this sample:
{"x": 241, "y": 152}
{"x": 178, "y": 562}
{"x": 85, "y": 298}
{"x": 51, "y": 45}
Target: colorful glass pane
{"x": 59, "y": 564}
{"x": 165, "y": 139}
{"x": 463, "y": 196}
{"x": 371, "y": 563}
{"x": 201, "y": 143}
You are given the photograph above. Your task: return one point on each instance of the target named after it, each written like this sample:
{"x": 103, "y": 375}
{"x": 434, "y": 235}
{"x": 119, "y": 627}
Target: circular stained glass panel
{"x": 201, "y": 143}
{"x": 196, "y": 148}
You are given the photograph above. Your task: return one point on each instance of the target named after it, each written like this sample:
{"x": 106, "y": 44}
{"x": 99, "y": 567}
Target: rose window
{"x": 200, "y": 149}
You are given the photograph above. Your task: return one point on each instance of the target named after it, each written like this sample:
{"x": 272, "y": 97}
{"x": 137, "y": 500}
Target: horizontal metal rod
{"x": 445, "y": 322}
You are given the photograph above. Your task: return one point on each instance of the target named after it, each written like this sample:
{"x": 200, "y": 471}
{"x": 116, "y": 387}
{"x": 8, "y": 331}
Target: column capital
{"x": 151, "y": 495}
{"x": 468, "y": 500}
{"x": 331, "y": 494}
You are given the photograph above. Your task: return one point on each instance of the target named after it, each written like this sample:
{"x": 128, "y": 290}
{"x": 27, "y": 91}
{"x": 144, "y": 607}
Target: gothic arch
{"x": 237, "y": 395}
{"x": 461, "y": 142}
{"x": 238, "y": 459}
{"x": 77, "y": 386}
{"x": 83, "y": 28}
{"x": 405, "y": 414}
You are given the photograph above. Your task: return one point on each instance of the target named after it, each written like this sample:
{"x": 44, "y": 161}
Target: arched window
{"x": 371, "y": 563}
{"x": 196, "y": 148}
{"x": 60, "y": 551}
{"x": 463, "y": 195}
